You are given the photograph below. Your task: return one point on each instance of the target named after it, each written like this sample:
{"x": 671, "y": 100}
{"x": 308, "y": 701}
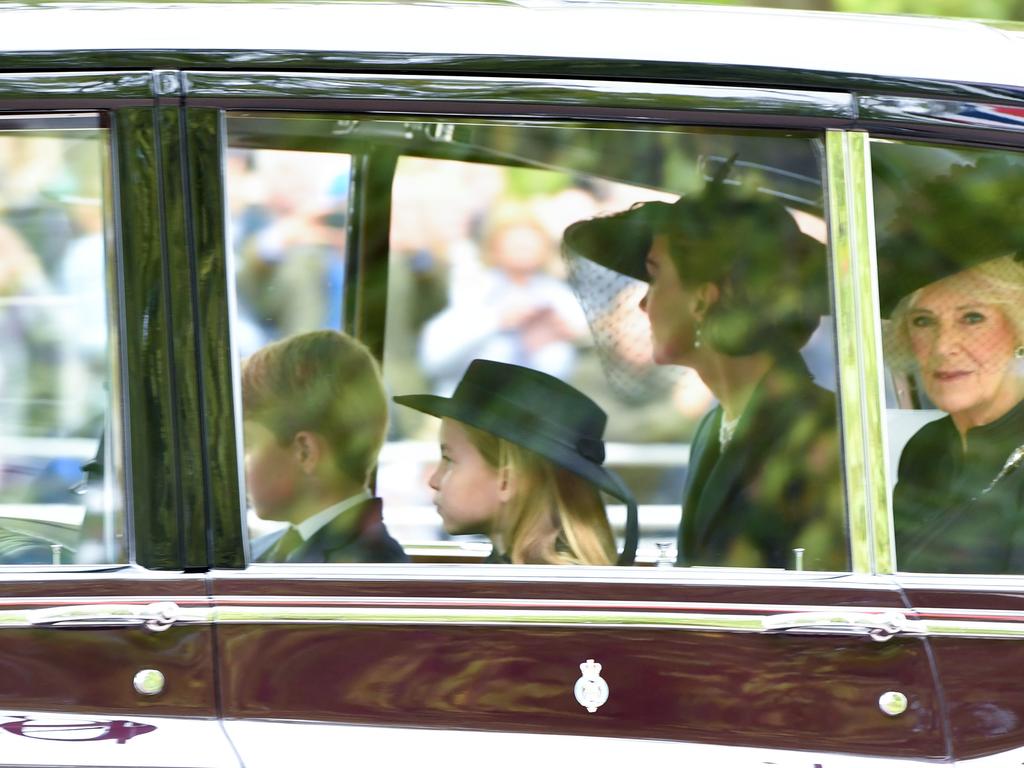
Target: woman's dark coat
{"x": 775, "y": 487}
{"x": 949, "y": 516}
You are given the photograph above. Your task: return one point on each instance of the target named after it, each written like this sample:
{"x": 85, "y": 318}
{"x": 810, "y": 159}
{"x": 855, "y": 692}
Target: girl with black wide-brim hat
{"x": 521, "y": 462}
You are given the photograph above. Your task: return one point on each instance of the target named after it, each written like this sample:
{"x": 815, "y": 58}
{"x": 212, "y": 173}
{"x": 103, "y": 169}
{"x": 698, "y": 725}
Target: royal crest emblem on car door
{"x": 591, "y": 690}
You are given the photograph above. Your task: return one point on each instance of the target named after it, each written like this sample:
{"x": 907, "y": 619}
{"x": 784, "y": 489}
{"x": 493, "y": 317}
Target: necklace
{"x": 726, "y": 430}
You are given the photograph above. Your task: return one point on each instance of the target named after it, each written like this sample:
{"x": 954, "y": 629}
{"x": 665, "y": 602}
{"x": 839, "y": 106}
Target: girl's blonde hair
{"x": 999, "y": 281}
{"x": 555, "y": 516}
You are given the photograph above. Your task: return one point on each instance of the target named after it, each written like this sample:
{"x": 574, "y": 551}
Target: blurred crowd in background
{"x": 475, "y": 270}
{"x": 54, "y": 363}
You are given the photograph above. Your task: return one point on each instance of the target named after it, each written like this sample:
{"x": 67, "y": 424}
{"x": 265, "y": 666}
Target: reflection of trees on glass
{"x": 476, "y": 271}
{"x": 735, "y": 290}
{"x": 566, "y": 174}
{"x": 478, "y": 210}
{"x": 1012, "y": 10}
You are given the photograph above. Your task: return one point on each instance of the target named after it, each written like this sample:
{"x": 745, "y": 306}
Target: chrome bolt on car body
{"x": 149, "y": 682}
{"x": 893, "y": 703}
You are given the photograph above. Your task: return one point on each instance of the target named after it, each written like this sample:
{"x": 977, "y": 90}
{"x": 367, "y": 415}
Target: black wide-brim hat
{"x": 711, "y": 236}
{"x": 539, "y": 413}
{"x": 947, "y": 224}
{"x": 619, "y": 241}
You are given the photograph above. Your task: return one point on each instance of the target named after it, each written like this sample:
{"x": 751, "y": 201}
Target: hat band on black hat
{"x": 574, "y": 436}
{"x": 591, "y": 449}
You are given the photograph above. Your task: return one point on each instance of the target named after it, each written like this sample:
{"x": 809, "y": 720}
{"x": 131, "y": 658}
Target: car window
{"x": 495, "y": 250}
{"x": 60, "y": 493}
{"x": 951, "y": 288}
{"x": 287, "y": 224}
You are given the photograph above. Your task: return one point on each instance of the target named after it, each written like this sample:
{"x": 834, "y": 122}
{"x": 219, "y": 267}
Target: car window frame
{"x": 209, "y": 95}
{"x": 88, "y": 623}
{"x": 148, "y": 263}
{"x": 940, "y": 122}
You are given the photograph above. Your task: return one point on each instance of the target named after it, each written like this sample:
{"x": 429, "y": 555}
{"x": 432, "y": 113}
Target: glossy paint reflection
{"x": 206, "y": 193}
{"x": 72, "y": 729}
{"x": 92, "y": 669}
{"x": 148, "y": 383}
{"x": 1008, "y": 116}
{"x": 764, "y": 690}
{"x": 519, "y": 92}
{"x": 47, "y": 738}
{"x": 89, "y": 89}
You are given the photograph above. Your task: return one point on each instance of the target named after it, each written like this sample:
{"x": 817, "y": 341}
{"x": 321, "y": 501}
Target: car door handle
{"x": 877, "y": 626}
{"x": 155, "y": 617}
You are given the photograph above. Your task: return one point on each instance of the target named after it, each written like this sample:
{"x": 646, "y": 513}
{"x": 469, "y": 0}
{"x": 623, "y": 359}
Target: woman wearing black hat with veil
{"x": 951, "y": 280}
{"x": 735, "y": 290}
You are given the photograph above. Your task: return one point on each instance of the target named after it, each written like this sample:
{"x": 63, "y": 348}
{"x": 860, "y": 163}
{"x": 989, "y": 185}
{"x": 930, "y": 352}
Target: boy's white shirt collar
{"x": 312, "y": 524}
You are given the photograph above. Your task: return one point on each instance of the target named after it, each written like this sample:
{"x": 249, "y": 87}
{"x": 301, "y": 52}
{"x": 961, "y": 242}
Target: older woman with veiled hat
{"x": 951, "y": 279}
{"x": 735, "y": 289}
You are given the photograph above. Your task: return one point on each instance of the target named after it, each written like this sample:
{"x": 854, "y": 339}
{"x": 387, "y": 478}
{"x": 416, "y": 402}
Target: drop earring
{"x": 700, "y": 307}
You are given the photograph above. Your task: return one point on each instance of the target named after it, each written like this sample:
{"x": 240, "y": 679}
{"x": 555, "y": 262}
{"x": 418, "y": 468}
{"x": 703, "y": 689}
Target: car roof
{"x": 911, "y": 47}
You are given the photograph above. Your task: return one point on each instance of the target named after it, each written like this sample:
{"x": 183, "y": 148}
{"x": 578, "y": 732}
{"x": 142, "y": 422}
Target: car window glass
{"x": 479, "y": 267}
{"x": 951, "y": 287}
{"x": 287, "y": 229}
{"x": 60, "y": 497}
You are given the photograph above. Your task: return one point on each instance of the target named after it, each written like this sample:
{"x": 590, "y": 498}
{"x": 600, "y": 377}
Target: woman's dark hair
{"x": 772, "y": 278}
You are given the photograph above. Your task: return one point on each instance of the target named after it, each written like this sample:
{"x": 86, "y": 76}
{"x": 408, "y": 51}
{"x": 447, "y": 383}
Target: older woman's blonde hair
{"x": 998, "y": 281}
{"x": 554, "y": 517}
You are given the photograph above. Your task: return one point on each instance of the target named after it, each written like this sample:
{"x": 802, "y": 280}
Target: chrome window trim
{"x": 997, "y": 585}
{"x": 877, "y": 623}
{"x": 858, "y": 335}
{"x": 447, "y": 95}
{"x": 54, "y": 90}
{"x": 27, "y": 120}
{"x": 476, "y": 95}
{"x": 548, "y": 574}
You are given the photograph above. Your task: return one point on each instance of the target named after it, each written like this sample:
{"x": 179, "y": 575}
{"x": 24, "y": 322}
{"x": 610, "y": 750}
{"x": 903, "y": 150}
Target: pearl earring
{"x": 696, "y": 339}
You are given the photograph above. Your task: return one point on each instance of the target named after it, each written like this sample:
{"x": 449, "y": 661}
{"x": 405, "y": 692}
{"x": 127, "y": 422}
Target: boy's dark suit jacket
{"x": 357, "y": 535}
{"x": 775, "y": 487}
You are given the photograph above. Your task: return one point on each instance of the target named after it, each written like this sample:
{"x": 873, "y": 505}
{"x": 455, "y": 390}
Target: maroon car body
{"x": 175, "y": 650}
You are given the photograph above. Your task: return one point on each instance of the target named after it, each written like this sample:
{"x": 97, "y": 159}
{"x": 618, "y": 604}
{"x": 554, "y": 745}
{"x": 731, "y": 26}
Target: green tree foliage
{"x": 1003, "y": 10}
{"x": 979, "y": 9}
